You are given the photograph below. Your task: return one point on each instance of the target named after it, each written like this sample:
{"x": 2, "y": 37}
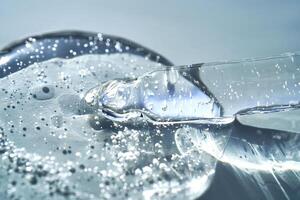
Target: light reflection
{"x": 4, "y": 60}
{"x": 262, "y": 163}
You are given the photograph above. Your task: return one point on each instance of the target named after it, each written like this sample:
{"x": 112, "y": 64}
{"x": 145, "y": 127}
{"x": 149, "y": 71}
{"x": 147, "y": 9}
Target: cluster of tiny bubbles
{"x": 53, "y": 146}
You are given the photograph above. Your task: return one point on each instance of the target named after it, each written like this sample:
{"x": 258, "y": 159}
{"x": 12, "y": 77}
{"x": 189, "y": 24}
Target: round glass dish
{"x": 53, "y": 147}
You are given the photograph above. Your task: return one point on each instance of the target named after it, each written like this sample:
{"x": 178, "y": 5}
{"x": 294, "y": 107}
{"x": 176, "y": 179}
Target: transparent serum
{"x": 206, "y": 91}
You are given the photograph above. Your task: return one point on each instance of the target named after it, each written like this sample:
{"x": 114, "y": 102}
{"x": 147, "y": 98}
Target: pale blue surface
{"x": 183, "y": 31}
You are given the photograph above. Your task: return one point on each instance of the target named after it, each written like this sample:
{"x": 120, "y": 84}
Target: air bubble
{"x": 43, "y": 92}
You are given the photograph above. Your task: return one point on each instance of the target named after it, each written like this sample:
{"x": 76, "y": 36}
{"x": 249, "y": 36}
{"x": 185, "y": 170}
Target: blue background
{"x": 184, "y": 31}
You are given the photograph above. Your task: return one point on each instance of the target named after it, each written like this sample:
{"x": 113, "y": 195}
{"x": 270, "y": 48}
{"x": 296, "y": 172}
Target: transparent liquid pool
{"x": 53, "y": 148}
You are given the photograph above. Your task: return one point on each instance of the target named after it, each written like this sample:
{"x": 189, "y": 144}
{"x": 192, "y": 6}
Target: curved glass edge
{"x": 68, "y": 44}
